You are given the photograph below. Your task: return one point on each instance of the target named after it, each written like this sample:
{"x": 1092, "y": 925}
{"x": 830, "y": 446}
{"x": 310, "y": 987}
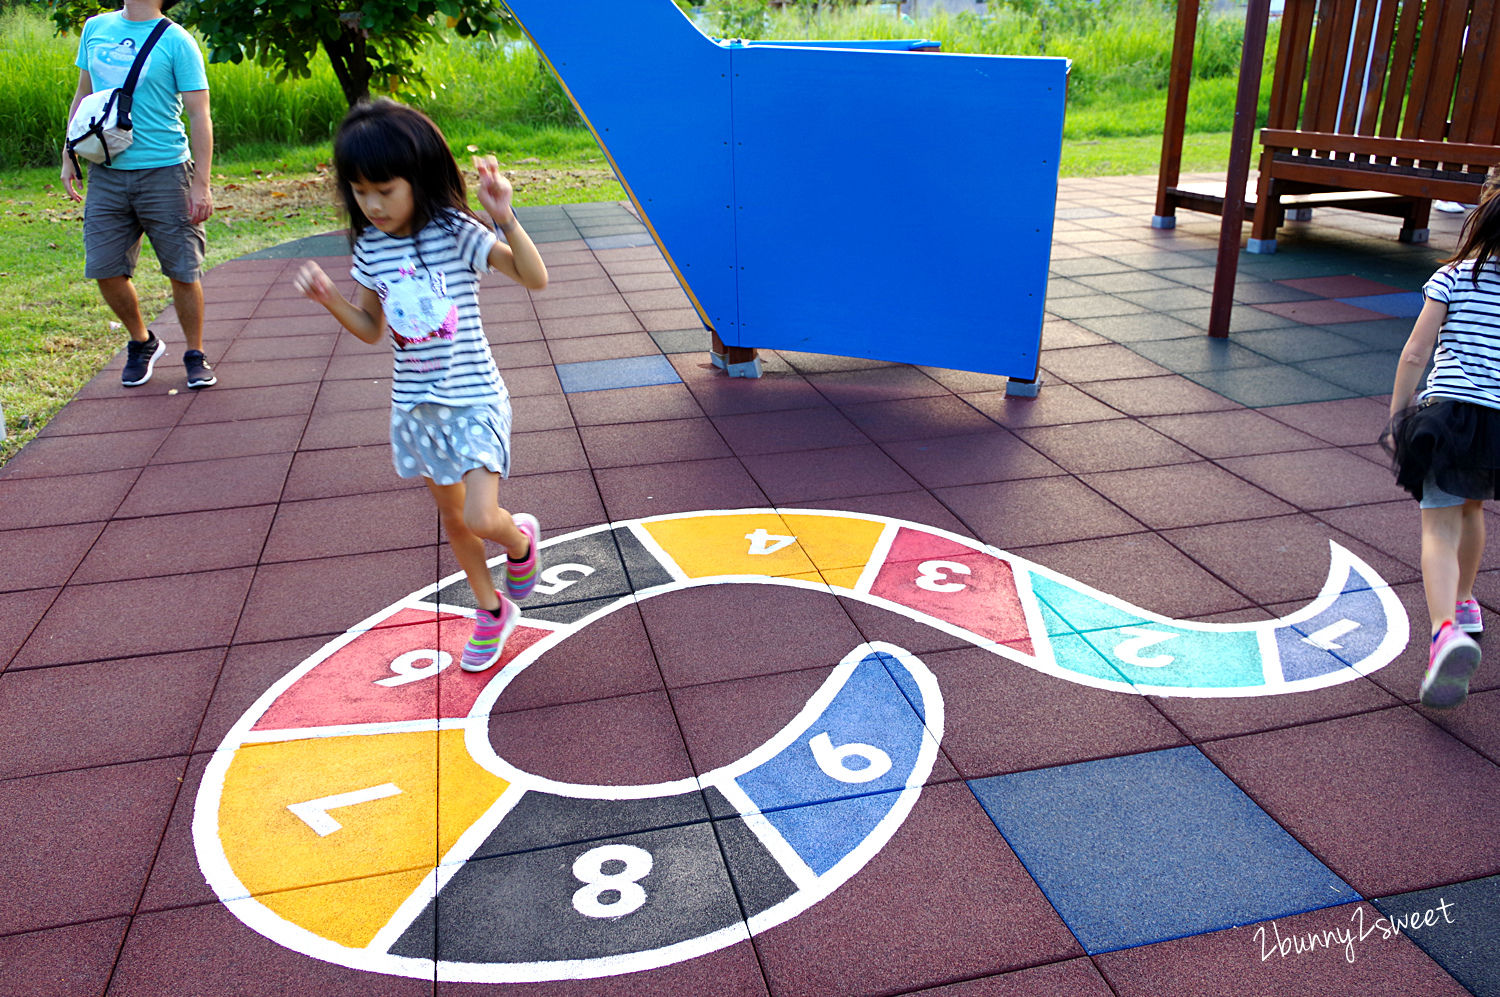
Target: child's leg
{"x": 483, "y": 516}
{"x": 1470, "y": 547}
{"x": 468, "y": 548}
{"x": 1442, "y": 534}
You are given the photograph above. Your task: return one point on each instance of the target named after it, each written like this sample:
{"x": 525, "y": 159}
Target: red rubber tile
{"x": 345, "y": 471}
{"x": 1363, "y": 793}
{"x": 268, "y": 373}
{"x": 731, "y": 972}
{"x": 20, "y": 612}
{"x": 357, "y": 428}
{"x": 282, "y": 347}
{"x": 207, "y": 950}
{"x": 809, "y": 475}
{"x": 651, "y": 280}
{"x": 1012, "y": 514}
{"x": 524, "y": 331}
{"x": 230, "y": 404}
{"x": 1343, "y": 286}
{"x": 1003, "y": 717}
{"x": 995, "y": 455}
{"x": 649, "y": 403}
{"x": 331, "y": 594}
{"x": 79, "y": 844}
{"x": 1056, "y": 405}
{"x": 176, "y": 613}
{"x": 547, "y": 452}
{"x": 610, "y": 658}
{"x": 1278, "y": 560}
{"x": 51, "y": 456}
{"x": 544, "y": 412}
{"x": 946, "y": 900}
{"x": 1209, "y": 718}
{"x": 500, "y": 292}
{"x": 625, "y": 344}
{"x": 1115, "y": 445}
{"x": 61, "y": 962}
{"x": 914, "y": 506}
{"x": 965, "y": 381}
{"x": 1073, "y": 978}
{"x": 1185, "y": 495}
{"x": 210, "y": 484}
{"x": 657, "y": 299}
{"x": 667, "y": 319}
{"x": 26, "y": 503}
{"x": 355, "y": 366}
{"x": 875, "y": 623}
{"x": 176, "y": 880}
{"x": 353, "y": 524}
{"x": 1160, "y": 578}
{"x": 177, "y": 544}
{"x": 1168, "y": 395}
{"x": 44, "y": 556}
{"x": 572, "y": 306}
{"x": 627, "y": 445}
{"x": 1247, "y": 961}
{"x": 919, "y": 418}
{"x": 1235, "y": 433}
{"x": 115, "y": 414}
{"x": 1395, "y": 528}
{"x": 719, "y": 632}
{"x": 789, "y": 430}
{"x": 571, "y": 327}
{"x": 566, "y": 499}
{"x": 878, "y": 384}
{"x": 1344, "y": 423}
{"x": 628, "y": 741}
{"x": 525, "y": 382}
{"x": 1319, "y": 312}
{"x": 1080, "y": 364}
{"x": 102, "y": 713}
{"x": 1403, "y": 677}
{"x": 282, "y": 301}
{"x": 218, "y": 440}
{"x": 682, "y": 486}
{"x": 248, "y": 671}
{"x": 1318, "y": 479}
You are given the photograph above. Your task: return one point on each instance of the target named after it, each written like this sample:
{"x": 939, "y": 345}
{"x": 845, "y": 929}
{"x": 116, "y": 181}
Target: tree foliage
{"x": 372, "y": 44}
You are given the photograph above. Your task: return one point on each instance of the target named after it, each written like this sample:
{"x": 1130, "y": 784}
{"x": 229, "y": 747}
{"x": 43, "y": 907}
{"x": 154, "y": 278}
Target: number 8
{"x": 588, "y": 868}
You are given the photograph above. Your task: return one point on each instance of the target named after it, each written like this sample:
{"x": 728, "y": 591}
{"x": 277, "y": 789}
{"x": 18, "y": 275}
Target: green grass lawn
{"x": 55, "y": 331}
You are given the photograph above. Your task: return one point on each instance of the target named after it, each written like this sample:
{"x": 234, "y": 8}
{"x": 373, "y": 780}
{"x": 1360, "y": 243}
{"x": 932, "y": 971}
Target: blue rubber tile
{"x": 1462, "y": 932}
{"x": 1149, "y": 847}
{"x": 1405, "y": 304}
{"x": 627, "y": 372}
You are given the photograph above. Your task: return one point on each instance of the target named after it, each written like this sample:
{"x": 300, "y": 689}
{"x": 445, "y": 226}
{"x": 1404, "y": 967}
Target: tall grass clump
{"x": 250, "y": 106}
{"x": 37, "y": 80}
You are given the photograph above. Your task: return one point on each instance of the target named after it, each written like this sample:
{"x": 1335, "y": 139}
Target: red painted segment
{"x": 955, "y": 584}
{"x": 382, "y": 676}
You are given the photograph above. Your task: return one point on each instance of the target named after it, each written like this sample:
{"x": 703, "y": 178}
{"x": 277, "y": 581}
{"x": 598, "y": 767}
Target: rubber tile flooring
{"x": 856, "y": 678}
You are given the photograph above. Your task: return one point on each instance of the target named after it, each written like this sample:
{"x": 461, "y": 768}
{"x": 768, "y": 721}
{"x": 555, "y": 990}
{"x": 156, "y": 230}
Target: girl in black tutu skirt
{"x": 1446, "y": 440}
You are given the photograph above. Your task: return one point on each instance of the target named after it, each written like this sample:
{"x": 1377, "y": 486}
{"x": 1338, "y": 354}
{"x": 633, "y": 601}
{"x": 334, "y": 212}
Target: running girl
{"x": 418, "y": 253}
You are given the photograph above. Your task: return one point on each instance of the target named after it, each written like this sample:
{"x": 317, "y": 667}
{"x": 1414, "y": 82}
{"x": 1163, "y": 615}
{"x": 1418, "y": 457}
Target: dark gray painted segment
{"x": 759, "y": 879}
{"x": 1465, "y": 931}
{"x": 526, "y": 907}
{"x": 545, "y": 820}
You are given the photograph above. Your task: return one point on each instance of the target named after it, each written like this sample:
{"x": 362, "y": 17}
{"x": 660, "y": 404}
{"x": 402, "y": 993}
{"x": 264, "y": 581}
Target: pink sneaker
{"x": 491, "y": 630}
{"x": 1467, "y": 618}
{"x": 520, "y": 576}
{"x": 1454, "y": 657}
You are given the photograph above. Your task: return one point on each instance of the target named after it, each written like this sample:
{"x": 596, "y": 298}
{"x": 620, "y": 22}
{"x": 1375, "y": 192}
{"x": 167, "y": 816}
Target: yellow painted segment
{"x": 835, "y": 542}
{"x": 845, "y": 578}
{"x": 737, "y": 544}
{"x": 383, "y": 846}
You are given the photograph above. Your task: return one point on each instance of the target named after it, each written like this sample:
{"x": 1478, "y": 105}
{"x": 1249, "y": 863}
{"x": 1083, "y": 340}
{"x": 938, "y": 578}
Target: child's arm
{"x": 519, "y": 260}
{"x": 1417, "y": 352}
{"x": 366, "y": 319}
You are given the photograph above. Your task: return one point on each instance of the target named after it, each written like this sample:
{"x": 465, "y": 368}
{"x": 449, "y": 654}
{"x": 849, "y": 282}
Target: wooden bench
{"x": 1376, "y": 105}
{"x": 1390, "y": 96}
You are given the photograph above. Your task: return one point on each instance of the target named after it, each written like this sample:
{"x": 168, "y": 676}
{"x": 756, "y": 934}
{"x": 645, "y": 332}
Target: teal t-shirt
{"x": 175, "y": 66}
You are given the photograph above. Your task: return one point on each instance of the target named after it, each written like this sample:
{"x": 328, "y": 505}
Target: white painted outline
{"x": 811, "y": 887}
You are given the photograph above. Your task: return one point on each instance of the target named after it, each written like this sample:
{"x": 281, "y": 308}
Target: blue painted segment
{"x": 629, "y": 372}
{"x": 1464, "y": 934}
{"x": 1118, "y": 645}
{"x": 1402, "y": 304}
{"x": 726, "y": 150}
{"x": 868, "y": 726}
{"x": 1345, "y": 633}
{"x": 1149, "y": 847}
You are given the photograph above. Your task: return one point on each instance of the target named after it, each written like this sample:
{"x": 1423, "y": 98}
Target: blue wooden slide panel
{"x": 852, "y": 200}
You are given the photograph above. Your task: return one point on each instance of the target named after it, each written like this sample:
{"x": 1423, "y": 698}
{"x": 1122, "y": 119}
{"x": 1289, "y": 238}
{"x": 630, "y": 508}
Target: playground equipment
{"x": 1376, "y": 105}
{"x": 862, "y": 199}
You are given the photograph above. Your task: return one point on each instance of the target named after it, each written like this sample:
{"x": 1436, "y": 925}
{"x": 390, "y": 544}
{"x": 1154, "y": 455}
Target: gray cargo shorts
{"x": 123, "y": 204}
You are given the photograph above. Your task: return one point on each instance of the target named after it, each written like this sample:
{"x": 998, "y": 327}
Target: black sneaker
{"x": 140, "y": 358}
{"x": 200, "y": 372}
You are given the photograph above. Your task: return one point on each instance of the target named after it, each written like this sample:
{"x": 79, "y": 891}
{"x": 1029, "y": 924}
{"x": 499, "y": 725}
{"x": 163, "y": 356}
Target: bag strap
{"x": 140, "y": 57}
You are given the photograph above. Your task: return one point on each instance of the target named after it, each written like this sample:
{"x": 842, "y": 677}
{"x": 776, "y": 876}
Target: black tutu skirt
{"x": 1457, "y": 443}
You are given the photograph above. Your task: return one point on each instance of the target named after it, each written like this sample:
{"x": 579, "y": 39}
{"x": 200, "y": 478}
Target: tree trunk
{"x": 351, "y": 65}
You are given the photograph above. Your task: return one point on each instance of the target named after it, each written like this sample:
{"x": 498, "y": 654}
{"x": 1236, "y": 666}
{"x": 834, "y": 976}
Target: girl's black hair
{"x": 383, "y": 140}
{"x": 1480, "y": 238}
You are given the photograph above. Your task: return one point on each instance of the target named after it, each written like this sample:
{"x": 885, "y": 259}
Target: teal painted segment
{"x": 1080, "y": 611}
{"x": 1075, "y": 654}
{"x": 1163, "y": 655}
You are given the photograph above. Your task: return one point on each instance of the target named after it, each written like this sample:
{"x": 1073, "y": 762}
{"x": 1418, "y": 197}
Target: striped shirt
{"x": 428, "y": 286}
{"x": 1466, "y": 363}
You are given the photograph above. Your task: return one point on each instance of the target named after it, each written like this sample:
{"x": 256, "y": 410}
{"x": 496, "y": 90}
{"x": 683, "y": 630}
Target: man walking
{"x": 158, "y": 186}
